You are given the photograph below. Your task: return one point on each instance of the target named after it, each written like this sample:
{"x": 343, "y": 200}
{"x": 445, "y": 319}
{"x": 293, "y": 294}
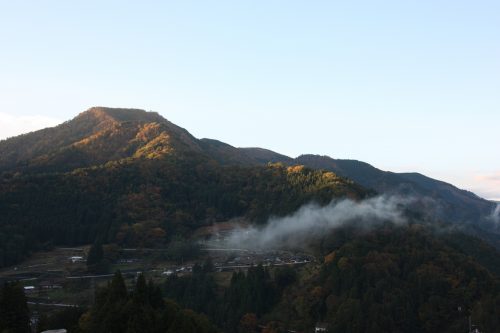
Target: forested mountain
{"x": 133, "y": 179}
{"x": 450, "y": 203}
{"x": 137, "y": 184}
{"x": 403, "y": 279}
{"x": 455, "y": 204}
{"x": 390, "y": 279}
{"x": 94, "y": 137}
{"x": 100, "y": 135}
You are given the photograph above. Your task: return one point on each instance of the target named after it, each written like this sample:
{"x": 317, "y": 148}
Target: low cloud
{"x": 495, "y": 216}
{"x": 12, "y": 125}
{"x": 312, "y": 221}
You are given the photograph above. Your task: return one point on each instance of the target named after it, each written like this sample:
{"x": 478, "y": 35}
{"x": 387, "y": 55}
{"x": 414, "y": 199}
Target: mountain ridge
{"x": 94, "y": 137}
{"x": 100, "y": 135}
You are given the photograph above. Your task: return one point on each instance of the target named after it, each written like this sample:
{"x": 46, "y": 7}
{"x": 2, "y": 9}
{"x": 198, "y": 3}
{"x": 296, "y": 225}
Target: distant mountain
{"x": 263, "y": 156}
{"x": 450, "y": 203}
{"x": 226, "y": 154}
{"x": 447, "y": 201}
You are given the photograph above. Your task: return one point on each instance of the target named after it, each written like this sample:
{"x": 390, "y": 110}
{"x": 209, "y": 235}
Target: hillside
{"x": 394, "y": 280}
{"x": 94, "y": 137}
{"x": 128, "y": 174}
{"x": 101, "y": 135}
{"x": 390, "y": 279}
{"x": 130, "y": 179}
{"x": 448, "y": 202}
{"x": 133, "y": 178}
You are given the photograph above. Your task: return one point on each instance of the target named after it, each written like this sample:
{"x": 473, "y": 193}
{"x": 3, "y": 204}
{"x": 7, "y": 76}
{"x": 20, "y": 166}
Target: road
{"x": 60, "y": 305}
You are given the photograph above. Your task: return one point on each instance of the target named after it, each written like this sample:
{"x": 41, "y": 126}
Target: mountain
{"x": 449, "y": 202}
{"x": 396, "y": 280}
{"x": 101, "y": 135}
{"x": 94, "y": 137}
{"x": 438, "y": 199}
{"x": 133, "y": 178}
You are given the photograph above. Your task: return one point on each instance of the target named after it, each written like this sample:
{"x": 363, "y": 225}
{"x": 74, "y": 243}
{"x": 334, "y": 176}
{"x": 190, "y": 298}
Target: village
{"x": 59, "y": 278}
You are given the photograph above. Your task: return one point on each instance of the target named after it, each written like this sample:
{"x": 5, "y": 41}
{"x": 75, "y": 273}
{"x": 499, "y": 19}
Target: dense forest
{"x": 142, "y": 310}
{"x": 393, "y": 279}
{"x": 396, "y": 279}
{"x": 147, "y": 202}
{"x": 116, "y": 310}
{"x": 250, "y": 294}
{"x": 14, "y": 313}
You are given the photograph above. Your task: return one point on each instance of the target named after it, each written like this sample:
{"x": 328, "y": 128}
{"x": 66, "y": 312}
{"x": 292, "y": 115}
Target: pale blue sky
{"x": 404, "y": 85}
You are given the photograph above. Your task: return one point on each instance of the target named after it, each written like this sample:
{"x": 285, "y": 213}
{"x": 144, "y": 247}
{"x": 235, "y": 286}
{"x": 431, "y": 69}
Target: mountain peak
{"x": 120, "y": 115}
{"x": 94, "y": 137}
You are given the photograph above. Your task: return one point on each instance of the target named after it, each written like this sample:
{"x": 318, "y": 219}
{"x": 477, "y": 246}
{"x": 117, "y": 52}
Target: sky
{"x": 403, "y": 85}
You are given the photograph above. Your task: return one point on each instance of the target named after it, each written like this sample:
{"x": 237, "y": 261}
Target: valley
{"x": 120, "y": 215}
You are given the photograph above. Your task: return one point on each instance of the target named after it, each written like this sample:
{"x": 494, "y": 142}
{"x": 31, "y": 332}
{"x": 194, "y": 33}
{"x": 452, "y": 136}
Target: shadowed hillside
{"x": 131, "y": 177}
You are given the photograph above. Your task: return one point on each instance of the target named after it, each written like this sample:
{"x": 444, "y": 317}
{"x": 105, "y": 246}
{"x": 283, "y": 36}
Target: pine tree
{"x": 117, "y": 288}
{"x": 14, "y": 313}
{"x": 141, "y": 291}
{"x": 95, "y": 259}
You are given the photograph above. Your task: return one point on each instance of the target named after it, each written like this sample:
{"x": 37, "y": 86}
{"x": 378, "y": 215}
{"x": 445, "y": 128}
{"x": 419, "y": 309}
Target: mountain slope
{"x": 443, "y": 201}
{"x": 94, "y": 137}
{"x": 112, "y": 167}
{"x": 102, "y": 135}
{"x": 131, "y": 177}
{"x": 450, "y": 203}
{"x": 403, "y": 279}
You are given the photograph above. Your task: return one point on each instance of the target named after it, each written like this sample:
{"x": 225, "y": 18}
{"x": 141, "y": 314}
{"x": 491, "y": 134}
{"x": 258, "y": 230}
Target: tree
{"x": 95, "y": 258}
{"x": 14, "y": 313}
{"x": 142, "y": 311}
{"x": 248, "y": 323}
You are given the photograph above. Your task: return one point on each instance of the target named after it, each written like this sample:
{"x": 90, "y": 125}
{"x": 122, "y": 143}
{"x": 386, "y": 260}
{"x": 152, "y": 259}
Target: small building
{"x": 321, "y": 327}
{"x": 168, "y": 272}
{"x": 49, "y": 285}
{"x": 474, "y": 329}
{"x": 29, "y": 289}
{"x": 76, "y": 259}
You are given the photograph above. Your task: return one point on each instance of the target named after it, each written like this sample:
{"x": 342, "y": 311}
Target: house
{"x": 29, "y": 289}
{"x": 168, "y": 272}
{"x": 474, "y": 329}
{"x": 49, "y": 285}
{"x": 76, "y": 259}
{"x": 321, "y": 327}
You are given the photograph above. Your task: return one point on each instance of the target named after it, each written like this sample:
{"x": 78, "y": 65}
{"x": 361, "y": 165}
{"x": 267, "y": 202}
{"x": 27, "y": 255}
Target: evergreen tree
{"x": 117, "y": 288}
{"x": 14, "y": 313}
{"x": 154, "y": 295}
{"x": 141, "y": 291}
{"x": 143, "y": 311}
{"x": 95, "y": 258}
